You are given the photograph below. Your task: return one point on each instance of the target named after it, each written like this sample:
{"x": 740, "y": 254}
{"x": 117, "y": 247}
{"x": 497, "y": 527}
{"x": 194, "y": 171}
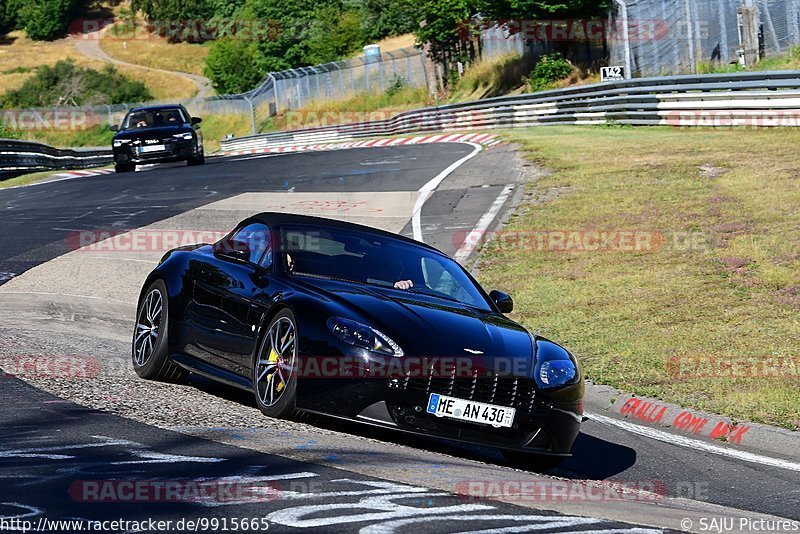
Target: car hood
{"x": 153, "y": 133}
{"x": 428, "y": 326}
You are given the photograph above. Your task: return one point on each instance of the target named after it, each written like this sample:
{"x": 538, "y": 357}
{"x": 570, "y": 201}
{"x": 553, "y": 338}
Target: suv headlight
{"x": 186, "y": 135}
{"x": 361, "y": 335}
{"x": 119, "y": 142}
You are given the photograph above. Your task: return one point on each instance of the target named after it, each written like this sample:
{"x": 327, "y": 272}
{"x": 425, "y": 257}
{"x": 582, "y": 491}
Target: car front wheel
{"x": 199, "y": 159}
{"x": 275, "y": 367}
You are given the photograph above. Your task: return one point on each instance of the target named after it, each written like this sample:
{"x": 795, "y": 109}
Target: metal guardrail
{"x": 751, "y": 98}
{"x": 20, "y": 157}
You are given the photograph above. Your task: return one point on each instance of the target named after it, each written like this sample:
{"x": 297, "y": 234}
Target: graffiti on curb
{"x": 686, "y": 421}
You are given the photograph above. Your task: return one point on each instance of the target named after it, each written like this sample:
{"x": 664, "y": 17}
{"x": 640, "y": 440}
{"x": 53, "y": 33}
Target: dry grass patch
{"x": 149, "y": 50}
{"x": 21, "y": 56}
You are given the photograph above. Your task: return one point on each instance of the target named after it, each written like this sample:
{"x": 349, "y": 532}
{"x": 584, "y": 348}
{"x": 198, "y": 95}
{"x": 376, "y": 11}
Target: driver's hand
{"x": 404, "y": 284}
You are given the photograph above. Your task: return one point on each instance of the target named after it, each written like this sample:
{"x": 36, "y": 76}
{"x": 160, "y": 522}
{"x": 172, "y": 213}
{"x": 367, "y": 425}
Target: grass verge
{"x": 216, "y": 127}
{"x": 720, "y": 285}
{"x": 98, "y": 136}
{"x": 360, "y": 108}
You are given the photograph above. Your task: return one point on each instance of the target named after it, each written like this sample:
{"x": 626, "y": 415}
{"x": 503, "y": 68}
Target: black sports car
{"x": 317, "y": 315}
{"x": 157, "y": 134}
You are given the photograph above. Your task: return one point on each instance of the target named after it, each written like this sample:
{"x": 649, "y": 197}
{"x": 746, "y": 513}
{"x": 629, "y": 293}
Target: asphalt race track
{"x": 52, "y": 449}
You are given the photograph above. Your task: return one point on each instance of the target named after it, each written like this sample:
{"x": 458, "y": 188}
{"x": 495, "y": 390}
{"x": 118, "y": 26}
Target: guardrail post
{"x": 252, "y": 115}
{"x": 690, "y": 35}
{"x": 274, "y": 91}
{"x": 626, "y": 38}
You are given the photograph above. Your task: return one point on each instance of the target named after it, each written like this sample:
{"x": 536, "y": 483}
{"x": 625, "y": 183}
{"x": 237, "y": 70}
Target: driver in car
{"x": 400, "y": 284}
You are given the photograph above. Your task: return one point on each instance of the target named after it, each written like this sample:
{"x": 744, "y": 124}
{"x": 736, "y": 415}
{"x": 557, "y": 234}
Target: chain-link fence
{"x": 340, "y": 80}
{"x": 668, "y": 37}
{"x": 278, "y": 91}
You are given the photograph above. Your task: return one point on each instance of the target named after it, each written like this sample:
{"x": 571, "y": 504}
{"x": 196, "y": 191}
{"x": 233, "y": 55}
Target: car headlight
{"x": 119, "y": 142}
{"x": 555, "y": 373}
{"x": 187, "y": 136}
{"x": 361, "y": 335}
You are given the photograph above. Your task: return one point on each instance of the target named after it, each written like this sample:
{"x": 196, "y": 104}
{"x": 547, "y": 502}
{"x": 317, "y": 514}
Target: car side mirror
{"x": 503, "y": 301}
{"x": 235, "y": 250}
{"x": 196, "y": 120}
{"x": 114, "y": 128}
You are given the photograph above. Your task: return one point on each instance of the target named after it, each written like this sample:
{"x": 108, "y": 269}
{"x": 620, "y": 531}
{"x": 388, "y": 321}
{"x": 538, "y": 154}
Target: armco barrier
{"x": 20, "y": 157}
{"x": 741, "y": 99}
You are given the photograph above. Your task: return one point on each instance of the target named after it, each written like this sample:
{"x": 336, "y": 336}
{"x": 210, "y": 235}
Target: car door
{"x": 224, "y": 289}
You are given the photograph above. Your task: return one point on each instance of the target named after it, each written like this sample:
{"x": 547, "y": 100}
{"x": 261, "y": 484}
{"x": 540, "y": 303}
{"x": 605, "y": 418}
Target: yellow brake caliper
{"x": 273, "y": 357}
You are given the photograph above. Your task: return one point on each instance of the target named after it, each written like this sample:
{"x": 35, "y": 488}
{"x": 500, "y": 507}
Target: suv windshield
{"x": 372, "y": 259}
{"x": 149, "y": 118}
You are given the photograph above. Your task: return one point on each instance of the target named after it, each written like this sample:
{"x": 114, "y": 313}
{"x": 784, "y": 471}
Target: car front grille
{"x": 511, "y": 391}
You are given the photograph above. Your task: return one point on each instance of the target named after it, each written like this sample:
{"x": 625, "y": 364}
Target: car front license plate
{"x": 152, "y": 148}
{"x": 466, "y": 410}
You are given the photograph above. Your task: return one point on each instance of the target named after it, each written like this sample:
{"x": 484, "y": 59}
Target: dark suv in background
{"x": 157, "y": 134}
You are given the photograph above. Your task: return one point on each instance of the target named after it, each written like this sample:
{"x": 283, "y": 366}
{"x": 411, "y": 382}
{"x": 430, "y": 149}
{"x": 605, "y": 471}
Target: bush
{"x": 396, "y": 85}
{"x": 45, "y": 20}
{"x": 65, "y": 84}
{"x": 7, "y": 133}
{"x": 549, "y": 69}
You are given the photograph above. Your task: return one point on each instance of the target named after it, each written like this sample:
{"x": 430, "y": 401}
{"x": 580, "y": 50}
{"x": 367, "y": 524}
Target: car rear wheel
{"x": 149, "y": 348}
{"x": 535, "y": 462}
{"x": 125, "y": 167}
{"x": 275, "y": 367}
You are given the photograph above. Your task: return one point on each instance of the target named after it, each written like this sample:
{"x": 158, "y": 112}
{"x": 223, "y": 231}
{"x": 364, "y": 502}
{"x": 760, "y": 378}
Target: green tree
{"x": 177, "y": 20}
{"x": 444, "y": 23}
{"x": 529, "y": 9}
{"x": 45, "y": 19}
{"x": 333, "y": 34}
{"x": 448, "y": 23}
{"x": 174, "y": 10}
{"x": 383, "y": 18}
{"x": 232, "y": 66}
{"x": 9, "y": 11}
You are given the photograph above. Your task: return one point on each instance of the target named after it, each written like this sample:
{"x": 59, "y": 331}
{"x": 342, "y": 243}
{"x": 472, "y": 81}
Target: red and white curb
{"x": 71, "y": 175}
{"x": 487, "y": 140}
{"x": 81, "y": 174}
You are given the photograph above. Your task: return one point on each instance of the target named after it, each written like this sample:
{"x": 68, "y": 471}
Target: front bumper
{"x": 173, "y": 151}
{"x": 544, "y": 423}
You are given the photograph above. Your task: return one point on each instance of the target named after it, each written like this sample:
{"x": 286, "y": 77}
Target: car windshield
{"x": 368, "y": 258}
{"x": 150, "y": 118}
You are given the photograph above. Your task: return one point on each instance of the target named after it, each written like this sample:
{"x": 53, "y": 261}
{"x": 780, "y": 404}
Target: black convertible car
{"x": 157, "y": 134}
{"x": 317, "y": 315}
